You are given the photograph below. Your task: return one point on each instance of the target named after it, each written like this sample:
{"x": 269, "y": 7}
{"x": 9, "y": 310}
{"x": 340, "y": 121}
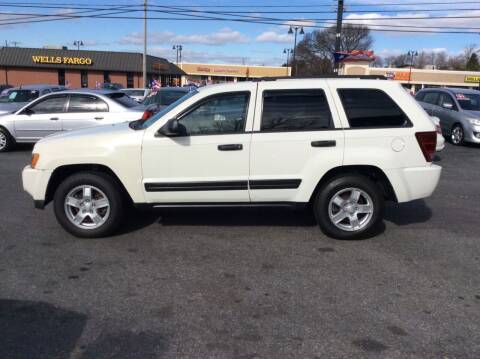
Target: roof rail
{"x": 328, "y": 76}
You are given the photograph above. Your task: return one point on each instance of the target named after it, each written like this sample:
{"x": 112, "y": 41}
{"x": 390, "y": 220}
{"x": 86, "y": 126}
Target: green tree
{"x": 472, "y": 63}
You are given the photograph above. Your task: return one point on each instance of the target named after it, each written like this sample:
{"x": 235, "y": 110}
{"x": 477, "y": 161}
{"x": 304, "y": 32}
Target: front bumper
{"x": 414, "y": 182}
{"x": 35, "y": 183}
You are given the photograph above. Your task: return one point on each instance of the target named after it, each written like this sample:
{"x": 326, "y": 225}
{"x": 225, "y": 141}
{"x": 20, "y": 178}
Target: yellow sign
{"x": 62, "y": 60}
{"x": 472, "y": 79}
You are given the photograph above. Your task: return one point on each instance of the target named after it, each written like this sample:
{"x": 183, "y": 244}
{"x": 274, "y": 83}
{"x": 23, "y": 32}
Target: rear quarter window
{"x": 367, "y": 108}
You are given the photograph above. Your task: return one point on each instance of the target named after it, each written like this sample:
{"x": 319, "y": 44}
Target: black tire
{"x": 105, "y": 184}
{"x": 369, "y": 222}
{"x": 6, "y": 140}
{"x": 457, "y": 135}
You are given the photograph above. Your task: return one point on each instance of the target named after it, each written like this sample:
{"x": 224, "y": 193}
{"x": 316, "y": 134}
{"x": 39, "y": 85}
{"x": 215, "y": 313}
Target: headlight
{"x": 35, "y": 158}
{"x": 474, "y": 121}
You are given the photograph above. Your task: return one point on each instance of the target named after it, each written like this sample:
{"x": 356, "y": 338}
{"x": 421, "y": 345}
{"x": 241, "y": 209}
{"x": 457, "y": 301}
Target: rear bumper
{"x": 415, "y": 182}
{"x": 35, "y": 183}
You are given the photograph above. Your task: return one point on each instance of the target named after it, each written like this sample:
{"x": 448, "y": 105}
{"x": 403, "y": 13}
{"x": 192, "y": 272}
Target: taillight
{"x": 146, "y": 115}
{"x": 427, "y": 142}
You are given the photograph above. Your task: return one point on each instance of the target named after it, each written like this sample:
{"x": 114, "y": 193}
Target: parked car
{"x": 458, "y": 110}
{"x": 163, "y": 98}
{"x": 138, "y": 94}
{"x": 63, "y": 111}
{"x": 339, "y": 146}
{"x": 440, "y": 138}
{"x": 17, "y": 97}
{"x": 4, "y": 87}
{"x": 111, "y": 86}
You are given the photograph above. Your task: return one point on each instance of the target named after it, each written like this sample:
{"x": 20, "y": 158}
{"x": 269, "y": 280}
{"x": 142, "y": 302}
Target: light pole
{"x": 411, "y": 53}
{"x": 288, "y": 52}
{"x": 290, "y": 31}
{"x": 179, "y": 49}
{"x": 78, "y": 43}
{"x": 144, "y": 57}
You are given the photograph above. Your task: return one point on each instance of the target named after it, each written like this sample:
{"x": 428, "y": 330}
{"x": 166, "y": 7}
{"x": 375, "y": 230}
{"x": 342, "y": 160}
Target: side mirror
{"x": 28, "y": 112}
{"x": 447, "y": 105}
{"x": 170, "y": 129}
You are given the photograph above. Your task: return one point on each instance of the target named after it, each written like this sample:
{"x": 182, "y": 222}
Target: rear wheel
{"x": 457, "y": 136}
{"x": 349, "y": 207}
{"x": 6, "y": 140}
{"x": 89, "y": 205}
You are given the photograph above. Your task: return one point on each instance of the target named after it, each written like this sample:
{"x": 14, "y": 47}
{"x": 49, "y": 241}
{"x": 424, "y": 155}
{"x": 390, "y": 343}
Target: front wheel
{"x": 349, "y": 207}
{"x": 457, "y": 136}
{"x": 89, "y": 205}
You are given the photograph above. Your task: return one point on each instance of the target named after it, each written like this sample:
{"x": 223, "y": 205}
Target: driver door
{"x": 42, "y": 118}
{"x": 209, "y": 160}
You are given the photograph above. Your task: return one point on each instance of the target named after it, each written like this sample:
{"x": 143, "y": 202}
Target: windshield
{"x": 468, "y": 101}
{"x": 134, "y": 92}
{"x": 164, "y": 98}
{"x": 122, "y": 99}
{"x": 19, "y": 96}
{"x": 159, "y": 114}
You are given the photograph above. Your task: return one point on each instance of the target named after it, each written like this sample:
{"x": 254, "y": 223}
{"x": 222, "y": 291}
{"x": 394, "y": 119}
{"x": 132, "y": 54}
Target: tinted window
{"x": 54, "y": 104}
{"x": 468, "y": 101}
{"x": 20, "y": 96}
{"x": 85, "y": 103}
{"x": 431, "y": 98}
{"x": 419, "y": 96}
{"x": 135, "y": 92}
{"x": 371, "y": 108}
{"x": 297, "y": 110}
{"x": 164, "y": 98}
{"x": 122, "y": 99}
{"x": 217, "y": 115}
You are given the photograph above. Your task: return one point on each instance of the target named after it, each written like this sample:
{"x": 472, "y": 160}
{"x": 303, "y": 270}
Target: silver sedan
{"x": 64, "y": 111}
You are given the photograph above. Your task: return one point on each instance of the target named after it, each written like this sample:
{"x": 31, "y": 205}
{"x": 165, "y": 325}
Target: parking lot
{"x": 244, "y": 283}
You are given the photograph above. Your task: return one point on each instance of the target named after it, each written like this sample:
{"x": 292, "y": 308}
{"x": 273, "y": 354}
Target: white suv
{"x": 343, "y": 146}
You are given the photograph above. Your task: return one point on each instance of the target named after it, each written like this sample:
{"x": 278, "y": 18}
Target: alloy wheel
{"x": 351, "y": 209}
{"x": 3, "y": 140}
{"x": 457, "y": 135}
{"x": 87, "y": 207}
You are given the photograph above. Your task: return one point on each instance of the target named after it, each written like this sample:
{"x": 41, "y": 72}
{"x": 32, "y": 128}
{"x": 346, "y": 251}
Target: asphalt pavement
{"x": 262, "y": 283}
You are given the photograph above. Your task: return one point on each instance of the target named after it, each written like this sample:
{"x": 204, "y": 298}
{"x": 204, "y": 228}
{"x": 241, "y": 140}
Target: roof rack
{"x": 328, "y": 76}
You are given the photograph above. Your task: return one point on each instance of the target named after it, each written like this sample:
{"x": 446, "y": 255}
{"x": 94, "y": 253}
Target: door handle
{"x": 330, "y": 143}
{"x": 54, "y": 118}
{"x": 98, "y": 118}
{"x": 232, "y": 147}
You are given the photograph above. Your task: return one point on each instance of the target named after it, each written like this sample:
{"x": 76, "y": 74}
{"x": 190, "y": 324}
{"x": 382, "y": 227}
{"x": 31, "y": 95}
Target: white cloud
{"x": 373, "y": 18}
{"x": 274, "y": 36}
{"x": 221, "y": 37}
{"x": 306, "y": 23}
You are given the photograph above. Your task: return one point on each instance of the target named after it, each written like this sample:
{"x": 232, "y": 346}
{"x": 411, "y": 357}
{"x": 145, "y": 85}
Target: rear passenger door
{"x": 296, "y": 139}
{"x": 447, "y": 111}
{"x": 84, "y": 110}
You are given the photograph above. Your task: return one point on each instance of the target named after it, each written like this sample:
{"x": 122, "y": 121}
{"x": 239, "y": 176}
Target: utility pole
{"x": 338, "y": 31}
{"x": 291, "y": 31}
{"x": 144, "y": 65}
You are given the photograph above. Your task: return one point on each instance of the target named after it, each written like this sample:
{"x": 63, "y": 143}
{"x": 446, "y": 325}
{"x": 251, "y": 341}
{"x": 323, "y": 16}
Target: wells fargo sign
{"x": 62, "y": 60}
{"x": 472, "y": 79}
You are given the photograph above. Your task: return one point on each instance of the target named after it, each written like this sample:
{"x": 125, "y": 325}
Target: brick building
{"x": 81, "y": 68}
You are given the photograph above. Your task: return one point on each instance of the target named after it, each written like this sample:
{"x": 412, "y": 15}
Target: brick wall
{"x": 94, "y": 77}
{"x": 25, "y": 76}
{"x": 118, "y": 78}
{"x": 72, "y": 78}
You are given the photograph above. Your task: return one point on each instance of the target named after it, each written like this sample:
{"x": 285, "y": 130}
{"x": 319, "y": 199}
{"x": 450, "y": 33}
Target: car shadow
{"x": 403, "y": 214}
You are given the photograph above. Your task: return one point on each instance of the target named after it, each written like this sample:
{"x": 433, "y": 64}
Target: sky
{"x": 238, "y": 42}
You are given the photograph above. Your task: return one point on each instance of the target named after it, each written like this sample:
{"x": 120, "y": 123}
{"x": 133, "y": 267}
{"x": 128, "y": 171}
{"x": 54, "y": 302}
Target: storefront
{"x": 201, "y": 74}
{"x": 81, "y": 68}
{"x": 415, "y": 79}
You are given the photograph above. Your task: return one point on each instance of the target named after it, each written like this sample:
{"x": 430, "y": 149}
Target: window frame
{"x": 408, "y": 125}
{"x": 43, "y": 99}
{"x": 202, "y": 101}
{"x": 85, "y": 95}
{"x": 331, "y": 127}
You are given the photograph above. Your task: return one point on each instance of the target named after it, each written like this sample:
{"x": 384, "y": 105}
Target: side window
{"x": 217, "y": 115}
{"x": 431, "y": 98}
{"x": 53, "y": 104}
{"x": 420, "y": 96}
{"x": 446, "y": 100}
{"x": 295, "y": 110}
{"x": 371, "y": 108}
{"x": 85, "y": 103}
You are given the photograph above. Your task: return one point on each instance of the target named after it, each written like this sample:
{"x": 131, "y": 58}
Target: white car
{"x": 343, "y": 146}
{"x": 65, "y": 111}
